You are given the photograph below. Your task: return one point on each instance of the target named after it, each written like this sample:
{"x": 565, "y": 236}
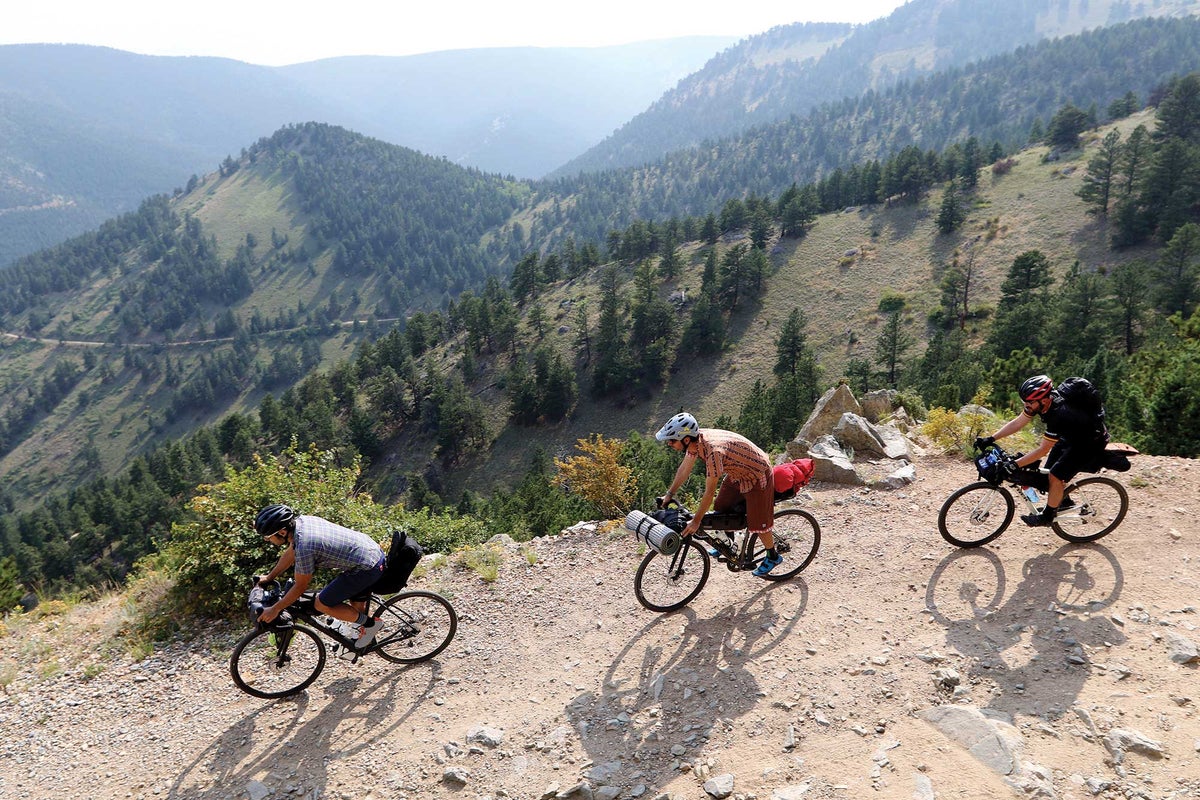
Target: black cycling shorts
{"x": 1065, "y": 461}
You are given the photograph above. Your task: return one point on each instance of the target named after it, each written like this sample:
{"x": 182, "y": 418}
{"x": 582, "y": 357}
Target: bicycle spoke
{"x": 1099, "y": 506}
{"x": 416, "y": 627}
{"x": 270, "y": 663}
{"x": 665, "y": 583}
{"x": 975, "y": 515}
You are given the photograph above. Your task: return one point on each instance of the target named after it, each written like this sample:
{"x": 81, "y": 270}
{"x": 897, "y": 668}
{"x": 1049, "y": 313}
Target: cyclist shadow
{"x": 280, "y": 745}
{"x": 1053, "y": 612}
{"x": 680, "y": 683}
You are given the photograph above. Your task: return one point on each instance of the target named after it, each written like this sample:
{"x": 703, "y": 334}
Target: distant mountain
{"x": 87, "y": 133}
{"x": 997, "y": 100}
{"x": 792, "y": 69}
{"x": 515, "y": 111}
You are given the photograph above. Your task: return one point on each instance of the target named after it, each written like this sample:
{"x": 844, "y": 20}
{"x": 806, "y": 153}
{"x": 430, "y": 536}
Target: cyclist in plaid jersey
{"x": 314, "y": 542}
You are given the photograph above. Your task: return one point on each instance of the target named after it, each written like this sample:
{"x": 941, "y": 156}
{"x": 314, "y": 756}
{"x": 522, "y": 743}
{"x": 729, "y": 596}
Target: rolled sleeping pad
{"x": 653, "y": 533}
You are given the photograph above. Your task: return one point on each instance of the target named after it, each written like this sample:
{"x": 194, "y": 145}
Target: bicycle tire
{"x": 977, "y": 510}
{"x": 1093, "y": 506}
{"x": 256, "y": 668}
{"x": 798, "y": 536}
{"x": 417, "y": 625}
{"x": 658, "y": 588}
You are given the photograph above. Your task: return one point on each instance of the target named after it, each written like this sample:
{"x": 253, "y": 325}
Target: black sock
{"x": 772, "y": 553}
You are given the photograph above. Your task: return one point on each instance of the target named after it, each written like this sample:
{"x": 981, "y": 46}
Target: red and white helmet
{"x": 1036, "y": 388}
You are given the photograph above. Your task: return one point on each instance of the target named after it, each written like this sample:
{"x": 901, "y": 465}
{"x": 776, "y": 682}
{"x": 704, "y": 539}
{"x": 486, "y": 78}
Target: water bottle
{"x": 1032, "y": 494}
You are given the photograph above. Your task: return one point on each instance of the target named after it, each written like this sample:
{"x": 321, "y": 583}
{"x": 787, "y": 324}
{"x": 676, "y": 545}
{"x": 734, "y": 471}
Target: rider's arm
{"x": 710, "y": 491}
{"x": 1042, "y": 449}
{"x": 285, "y": 562}
{"x": 299, "y": 586}
{"x": 1013, "y": 425}
{"x": 681, "y": 474}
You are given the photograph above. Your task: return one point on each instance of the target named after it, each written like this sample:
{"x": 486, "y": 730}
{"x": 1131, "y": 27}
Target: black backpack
{"x": 1079, "y": 393}
{"x": 402, "y": 558}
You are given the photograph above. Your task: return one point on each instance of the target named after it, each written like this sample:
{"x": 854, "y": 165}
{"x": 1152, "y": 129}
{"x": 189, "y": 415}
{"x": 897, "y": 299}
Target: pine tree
{"x": 951, "y": 214}
{"x": 1097, "y": 185}
{"x": 890, "y": 347}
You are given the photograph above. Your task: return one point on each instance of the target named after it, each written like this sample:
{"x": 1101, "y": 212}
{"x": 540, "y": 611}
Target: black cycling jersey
{"x": 1074, "y": 426}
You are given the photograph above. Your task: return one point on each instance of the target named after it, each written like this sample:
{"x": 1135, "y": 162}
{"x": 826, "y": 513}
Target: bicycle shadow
{"x": 283, "y": 748}
{"x": 667, "y": 696}
{"x": 1051, "y": 612}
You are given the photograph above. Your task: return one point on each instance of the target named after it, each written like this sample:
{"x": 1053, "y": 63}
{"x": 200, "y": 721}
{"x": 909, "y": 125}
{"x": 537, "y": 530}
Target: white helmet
{"x": 677, "y": 427}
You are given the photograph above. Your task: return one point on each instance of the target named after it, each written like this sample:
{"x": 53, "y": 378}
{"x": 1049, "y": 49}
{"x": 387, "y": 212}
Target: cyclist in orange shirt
{"x": 748, "y": 476}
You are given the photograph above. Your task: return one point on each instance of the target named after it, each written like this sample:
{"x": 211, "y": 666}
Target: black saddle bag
{"x": 402, "y": 558}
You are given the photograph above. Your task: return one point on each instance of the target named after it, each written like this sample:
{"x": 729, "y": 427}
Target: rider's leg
{"x": 1065, "y": 463}
{"x": 760, "y": 519}
{"x": 335, "y": 601}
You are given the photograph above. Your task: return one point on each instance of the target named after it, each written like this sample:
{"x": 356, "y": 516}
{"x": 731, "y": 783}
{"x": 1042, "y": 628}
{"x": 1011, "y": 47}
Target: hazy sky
{"x": 275, "y": 32}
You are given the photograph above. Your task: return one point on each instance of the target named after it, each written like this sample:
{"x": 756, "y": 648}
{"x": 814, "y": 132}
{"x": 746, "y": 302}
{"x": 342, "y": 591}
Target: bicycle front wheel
{"x": 1099, "y": 506}
{"x": 272, "y": 663}
{"x": 416, "y": 627}
{"x": 976, "y": 514}
{"x": 665, "y": 583}
{"x": 797, "y": 537}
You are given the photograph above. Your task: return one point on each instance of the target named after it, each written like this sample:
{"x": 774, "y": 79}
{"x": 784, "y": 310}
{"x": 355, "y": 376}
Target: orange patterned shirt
{"x": 729, "y": 453}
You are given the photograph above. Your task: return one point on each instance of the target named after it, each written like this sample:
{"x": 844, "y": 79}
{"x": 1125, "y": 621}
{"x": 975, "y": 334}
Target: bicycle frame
{"x": 305, "y": 609}
{"x": 736, "y": 558}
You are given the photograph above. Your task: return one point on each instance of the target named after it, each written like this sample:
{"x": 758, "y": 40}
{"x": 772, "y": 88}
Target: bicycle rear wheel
{"x": 1100, "y": 505}
{"x": 665, "y": 583}
{"x": 416, "y": 627}
{"x": 975, "y": 514}
{"x": 277, "y": 663}
{"x": 797, "y": 538}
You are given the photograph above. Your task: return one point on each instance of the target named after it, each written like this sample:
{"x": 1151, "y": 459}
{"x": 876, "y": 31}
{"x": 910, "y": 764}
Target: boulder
{"x": 824, "y": 417}
{"x": 971, "y": 408}
{"x": 878, "y": 404}
{"x": 830, "y": 463}
{"x": 895, "y": 443}
{"x": 876, "y": 440}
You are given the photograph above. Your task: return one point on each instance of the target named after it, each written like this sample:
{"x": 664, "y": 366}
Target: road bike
{"x": 1092, "y": 507}
{"x": 669, "y": 582}
{"x": 283, "y": 657}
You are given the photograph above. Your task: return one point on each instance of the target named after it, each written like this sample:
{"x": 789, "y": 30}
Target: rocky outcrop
{"x": 848, "y": 448}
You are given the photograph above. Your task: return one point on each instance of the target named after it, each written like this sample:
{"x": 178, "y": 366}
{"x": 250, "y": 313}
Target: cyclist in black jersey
{"x": 1074, "y": 441}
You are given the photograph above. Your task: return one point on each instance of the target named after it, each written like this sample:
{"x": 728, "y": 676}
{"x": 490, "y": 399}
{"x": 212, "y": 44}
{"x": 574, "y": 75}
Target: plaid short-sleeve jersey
{"x": 729, "y": 453}
{"x": 321, "y": 543}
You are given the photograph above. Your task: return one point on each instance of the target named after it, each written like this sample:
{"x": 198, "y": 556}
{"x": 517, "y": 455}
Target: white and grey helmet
{"x": 677, "y": 427}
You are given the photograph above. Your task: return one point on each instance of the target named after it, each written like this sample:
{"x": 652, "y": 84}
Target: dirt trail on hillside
{"x": 895, "y": 666}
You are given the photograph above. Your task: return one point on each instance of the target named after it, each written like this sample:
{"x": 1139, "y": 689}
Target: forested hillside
{"x": 1006, "y": 100}
{"x": 793, "y": 69}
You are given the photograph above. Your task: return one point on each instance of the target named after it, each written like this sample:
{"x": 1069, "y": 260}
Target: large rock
{"x": 824, "y": 417}
{"x": 871, "y": 440}
{"x": 830, "y": 463}
{"x": 993, "y": 740}
{"x": 877, "y": 405}
{"x": 895, "y": 444}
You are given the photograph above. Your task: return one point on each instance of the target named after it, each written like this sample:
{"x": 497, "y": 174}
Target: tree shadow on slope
{"x": 288, "y": 746}
{"x": 678, "y": 687}
{"x": 1052, "y": 611}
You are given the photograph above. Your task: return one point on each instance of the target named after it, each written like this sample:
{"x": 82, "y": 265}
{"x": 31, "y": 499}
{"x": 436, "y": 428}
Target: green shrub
{"x": 214, "y": 556}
